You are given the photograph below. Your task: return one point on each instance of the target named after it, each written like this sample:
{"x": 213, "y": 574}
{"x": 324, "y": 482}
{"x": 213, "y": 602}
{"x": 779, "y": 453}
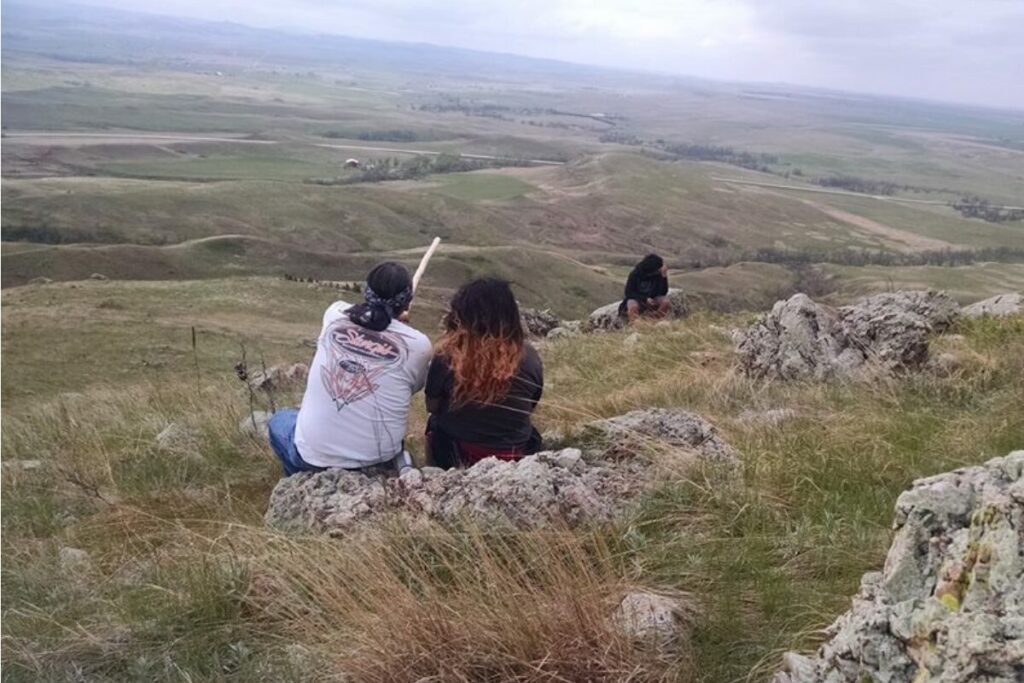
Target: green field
{"x": 479, "y": 186}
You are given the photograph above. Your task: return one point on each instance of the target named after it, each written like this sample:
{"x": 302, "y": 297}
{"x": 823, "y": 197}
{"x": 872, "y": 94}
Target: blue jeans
{"x": 282, "y": 439}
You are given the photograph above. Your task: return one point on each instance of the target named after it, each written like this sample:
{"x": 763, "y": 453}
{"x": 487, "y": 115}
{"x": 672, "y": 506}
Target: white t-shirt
{"x": 358, "y": 393}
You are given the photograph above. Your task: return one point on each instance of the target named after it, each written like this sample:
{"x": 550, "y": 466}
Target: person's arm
{"x": 539, "y": 389}
{"x": 663, "y": 286}
{"x": 631, "y": 287}
{"x": 535, "y": 375}
{"x": 438, "y": 386}
{"x": 420, "y": 361}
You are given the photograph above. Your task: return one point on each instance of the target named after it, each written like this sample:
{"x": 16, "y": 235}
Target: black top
{"x": 643, "y": 286}
{"x": 501, "y": 425}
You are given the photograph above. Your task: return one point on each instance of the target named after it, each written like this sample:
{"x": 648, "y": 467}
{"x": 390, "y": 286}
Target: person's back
{"x": 360, "y": 386}
{"x": 368, "y": 365}
{"x": 503, "y": 424}
{"x": 484, "y": 381}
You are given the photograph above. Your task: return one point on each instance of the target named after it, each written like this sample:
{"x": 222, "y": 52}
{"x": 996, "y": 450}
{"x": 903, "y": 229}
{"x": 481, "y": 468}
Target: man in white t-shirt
{"x": 367, "y": 367}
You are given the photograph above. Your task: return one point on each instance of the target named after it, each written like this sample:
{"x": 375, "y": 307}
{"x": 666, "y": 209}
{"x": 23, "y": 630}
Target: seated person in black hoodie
{"x": 647, "y": 290}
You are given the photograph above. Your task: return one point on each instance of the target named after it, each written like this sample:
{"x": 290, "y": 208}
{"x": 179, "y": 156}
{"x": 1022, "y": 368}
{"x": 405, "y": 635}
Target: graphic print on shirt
{"x": 356, "y": 357}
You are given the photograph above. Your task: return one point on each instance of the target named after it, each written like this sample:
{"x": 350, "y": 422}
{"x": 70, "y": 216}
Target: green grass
{"x": 182, "y": 582}
{"x": 479, "y": 186}
{"x": 225, "y": 168}
{"x": 966, "y": 284}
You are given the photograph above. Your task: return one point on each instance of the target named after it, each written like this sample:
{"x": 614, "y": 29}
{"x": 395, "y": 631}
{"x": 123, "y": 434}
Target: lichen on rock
{"x": 801, "y": 339}
{"x": 538, "y": 323}
{"x": 949, "y": 602}
{"x": 674, "y": 428}
{"x": 549, "y": 488}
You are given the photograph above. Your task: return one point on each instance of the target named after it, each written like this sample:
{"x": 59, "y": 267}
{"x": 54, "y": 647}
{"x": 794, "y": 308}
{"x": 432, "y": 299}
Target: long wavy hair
{"x": 483, "y": 341}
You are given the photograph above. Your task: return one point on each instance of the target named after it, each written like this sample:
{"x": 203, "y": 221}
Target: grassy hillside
{"x": 193, "y": 165}
{"x": 182, "y": 580}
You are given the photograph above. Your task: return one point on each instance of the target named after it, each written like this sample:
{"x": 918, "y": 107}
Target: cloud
{"x": 945, "y": 49}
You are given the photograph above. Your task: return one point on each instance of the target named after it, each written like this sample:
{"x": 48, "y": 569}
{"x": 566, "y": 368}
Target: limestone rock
{"x": 180, "y": 440}
{"x": 40, "y": 281}
{"x": 568, "y": 328}
{"x": 551, "y": 488}
{"x": 944, "y": 364}
{"x": 1002, "y": 304}
{"x": 278, "y": 377}
{"x": 74, "y": 560}
{"x": 650, "y": 619}
{"x": 255, "y": 424}
{"x": 949, "y": 602}
{"x": 98, "y": 276}
{"x": 673, "y": 427}
{"x": 607, "y": 317}
{"x": 538, "y": 490}
{"x": 537, "y": 323}
{"x": 800, "y": 339}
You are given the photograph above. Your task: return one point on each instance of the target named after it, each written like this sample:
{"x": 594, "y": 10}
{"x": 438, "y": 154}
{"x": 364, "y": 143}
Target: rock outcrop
{"x": 996, "y": 306}
{"x": 568, "y": 329}
{"x": 675, "y": 428}
{"x": 255, "y": 424}
{"x": 275, "y": 378}
{"x": 608, "y": 318}
{"x": 801, "y": 339}
{"x": 538, "y": 323}
{"x": 651, "y": 619}
{"x": 552, "y": 488}
{"x": 949, "y": 603}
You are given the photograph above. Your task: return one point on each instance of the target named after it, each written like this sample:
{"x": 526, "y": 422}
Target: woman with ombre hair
{"x": 484, "y": 381}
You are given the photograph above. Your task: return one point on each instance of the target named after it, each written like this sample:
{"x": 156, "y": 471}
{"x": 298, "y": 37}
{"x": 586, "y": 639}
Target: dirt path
{"x": 844, "y": 193}
{"x": 910, "y": 240}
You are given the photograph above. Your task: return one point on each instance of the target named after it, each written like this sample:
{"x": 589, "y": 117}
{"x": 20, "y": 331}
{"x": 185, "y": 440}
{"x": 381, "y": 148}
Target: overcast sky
{"x": 957, "y": 50}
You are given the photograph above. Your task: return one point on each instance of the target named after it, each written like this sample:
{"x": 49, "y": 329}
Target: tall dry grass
{"x": 444, "y": 605}
{"x": 183, "y": 583}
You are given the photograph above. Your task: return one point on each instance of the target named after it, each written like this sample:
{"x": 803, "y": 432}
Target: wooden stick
{"x": 423, "y": 263}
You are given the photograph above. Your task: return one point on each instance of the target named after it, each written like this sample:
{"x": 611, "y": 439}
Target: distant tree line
{"x": 976, "y": 207}
{"x": 756, "y": 161}
{"x": 504, "y": 112}
{"x": 395, "y": 135}
{"x": 863, "y": 185}
{"x": 46, "y": 234}
{"x": 853, "y": 257}
{"x": 753, "y": 160}
{"x": 392, "y": 168}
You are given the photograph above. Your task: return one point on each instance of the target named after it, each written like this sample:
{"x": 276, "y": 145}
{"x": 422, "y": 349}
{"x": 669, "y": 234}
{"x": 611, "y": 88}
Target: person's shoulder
{"x": 531, "y": 356}
{"x": 416, "y": 339}
{"x": 337, "y": 308}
